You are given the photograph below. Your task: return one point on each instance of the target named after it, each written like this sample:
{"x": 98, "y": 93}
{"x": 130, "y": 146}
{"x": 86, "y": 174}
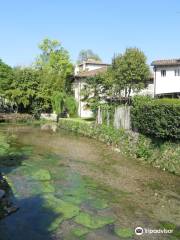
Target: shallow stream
{"x": 73, "y": 188}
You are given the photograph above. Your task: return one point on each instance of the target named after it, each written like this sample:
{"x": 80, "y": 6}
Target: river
{"x": 70, "y": 187}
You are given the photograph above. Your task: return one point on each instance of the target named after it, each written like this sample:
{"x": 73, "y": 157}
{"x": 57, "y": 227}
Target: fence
{"x": 121, "y": 117}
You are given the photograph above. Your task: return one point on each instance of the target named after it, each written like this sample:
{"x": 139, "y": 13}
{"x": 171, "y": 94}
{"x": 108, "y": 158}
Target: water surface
{"x": 72, "y": 187}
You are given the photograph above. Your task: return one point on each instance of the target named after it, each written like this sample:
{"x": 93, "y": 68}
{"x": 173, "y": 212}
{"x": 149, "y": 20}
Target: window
{"x": 163, "y": 73}
{"x": 177, "y": 72}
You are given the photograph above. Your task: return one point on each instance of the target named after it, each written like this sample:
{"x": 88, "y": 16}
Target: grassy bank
{"x": 161, "y": 154}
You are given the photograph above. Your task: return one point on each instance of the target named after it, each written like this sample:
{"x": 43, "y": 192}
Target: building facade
{"x": 167, "y": 77}
{"x": 92, "y": 68}
{"x": 86, "y": 69}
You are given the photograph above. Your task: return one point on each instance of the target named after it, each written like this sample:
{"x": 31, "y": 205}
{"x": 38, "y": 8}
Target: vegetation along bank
{"x": 160, "y": 153}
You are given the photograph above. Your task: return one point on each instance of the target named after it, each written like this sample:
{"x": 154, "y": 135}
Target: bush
{"x": 156, "y": 117}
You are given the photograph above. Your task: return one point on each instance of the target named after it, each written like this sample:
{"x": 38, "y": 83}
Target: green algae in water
{"x": 99, "y": 203}
{"x": 59, "y": 206}
{"x": 124, "y": 232}
{"x": 61, "y": 210}
{"x": 4, "y": 146}
{"x": 93, "y": 222}
{"x": 80, "y": 231}
{"x": 33, "y": 172}
{"x": 41, "y": 175}
{"x": 46, "y": 187}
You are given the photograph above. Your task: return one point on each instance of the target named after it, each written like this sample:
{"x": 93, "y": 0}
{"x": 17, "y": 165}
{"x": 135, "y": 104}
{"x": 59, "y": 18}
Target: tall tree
{"x": 85, "y": 55}
{"x": 54, "y": 63}
{"x": 130, "y": 71}
{"x": 23, "y": 90}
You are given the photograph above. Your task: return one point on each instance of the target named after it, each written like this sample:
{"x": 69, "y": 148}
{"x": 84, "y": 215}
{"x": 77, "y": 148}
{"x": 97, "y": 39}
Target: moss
{"x": 93, "y": 222}
{"x": 124, "y": 232}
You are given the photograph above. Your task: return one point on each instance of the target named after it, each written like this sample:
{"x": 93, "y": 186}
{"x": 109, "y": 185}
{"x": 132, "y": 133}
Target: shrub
{"x": 156, "y": 117}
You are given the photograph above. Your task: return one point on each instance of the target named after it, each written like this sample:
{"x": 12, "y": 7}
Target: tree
{"x": 85, "y": 55}
{"x": 6, "y": 77}
{"x": 130, "y": 72}
{"x": 94, "y": 91}
{"x": 23, "y": 90}
{"x": 55, "y": 71}
{"x": 55, "y": 65}
{"x": 61, "y": 102}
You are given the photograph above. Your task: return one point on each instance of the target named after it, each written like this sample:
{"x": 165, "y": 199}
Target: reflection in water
{"x": 69, "y": 187}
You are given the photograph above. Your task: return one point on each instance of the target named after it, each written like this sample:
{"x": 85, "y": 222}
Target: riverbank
{"x": 15, "y": 117}
{"x": 161, "y": 154}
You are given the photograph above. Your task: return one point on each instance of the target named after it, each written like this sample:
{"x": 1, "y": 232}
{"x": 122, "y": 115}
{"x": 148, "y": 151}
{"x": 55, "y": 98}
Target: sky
{"x": 106, "y": 27}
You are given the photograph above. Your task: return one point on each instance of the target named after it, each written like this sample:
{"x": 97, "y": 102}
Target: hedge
{"x": 156, "y": 117}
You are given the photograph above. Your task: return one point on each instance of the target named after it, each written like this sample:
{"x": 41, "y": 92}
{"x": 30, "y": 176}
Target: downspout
{"x": 154, "y": 81}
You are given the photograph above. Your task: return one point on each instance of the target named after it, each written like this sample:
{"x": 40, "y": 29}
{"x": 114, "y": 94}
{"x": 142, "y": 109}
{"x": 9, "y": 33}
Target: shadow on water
{"x": 31, "y": 222}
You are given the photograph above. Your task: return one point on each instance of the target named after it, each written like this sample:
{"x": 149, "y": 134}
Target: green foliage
{"x": 35, "y": 89}
{"x": 58, "y": 102}
{"x": 71, "y": 106}
{"x": 55, "y": 65}
{"x": 85, "y": 55}
{"x": 94, "y": 92}
{"x": 130, "y": 71}
{"x": 161, "y": 154}
{"x": 159, "y": 118}
{"x": 6, "y": 77}
{"x": 62, "y": 102}
{"x": 24, "y": 89}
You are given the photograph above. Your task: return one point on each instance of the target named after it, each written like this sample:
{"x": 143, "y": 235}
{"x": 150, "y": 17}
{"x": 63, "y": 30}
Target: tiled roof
{"x": 168, "y": 62}
{"x": 92, "y": 73}
{"x": 91, "y": 61}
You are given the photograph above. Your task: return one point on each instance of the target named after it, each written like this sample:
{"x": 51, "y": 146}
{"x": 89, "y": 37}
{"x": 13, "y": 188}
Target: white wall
{"x": 168, "y": 84}
{"x": 82, "y": 110}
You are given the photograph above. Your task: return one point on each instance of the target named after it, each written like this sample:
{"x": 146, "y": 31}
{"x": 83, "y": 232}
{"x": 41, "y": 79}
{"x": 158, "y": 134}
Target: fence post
{"x": 99, "y": 116}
